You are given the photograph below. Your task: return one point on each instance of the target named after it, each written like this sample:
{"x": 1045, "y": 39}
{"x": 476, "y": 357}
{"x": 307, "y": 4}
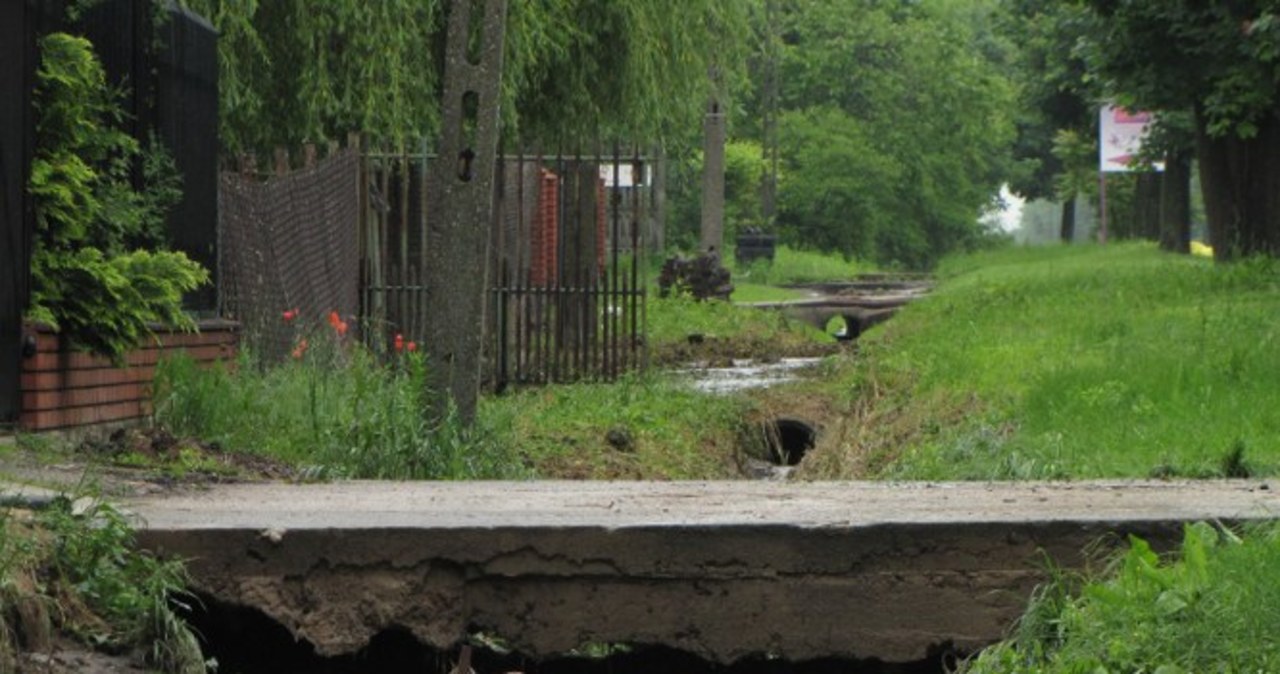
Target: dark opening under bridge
{"x": 724, "y": 570}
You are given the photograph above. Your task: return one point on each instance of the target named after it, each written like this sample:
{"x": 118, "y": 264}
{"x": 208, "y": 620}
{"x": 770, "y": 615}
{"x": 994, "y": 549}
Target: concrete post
{"x": 457, "y": 241}
{"x": 713, "y": 180}
{"x": 658, "y": 212}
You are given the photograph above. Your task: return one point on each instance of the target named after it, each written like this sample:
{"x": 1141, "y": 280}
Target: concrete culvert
{"x": 789, "y": 440}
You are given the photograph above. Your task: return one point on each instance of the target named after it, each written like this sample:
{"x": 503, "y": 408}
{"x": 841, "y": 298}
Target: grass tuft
{"x": 74, "y": 569}
{"x": 1210, "y": 608}
{"x": 642, "y": 427}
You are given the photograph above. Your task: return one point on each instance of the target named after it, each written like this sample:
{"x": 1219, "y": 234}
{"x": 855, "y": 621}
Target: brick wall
{"x": 66, "y": 389}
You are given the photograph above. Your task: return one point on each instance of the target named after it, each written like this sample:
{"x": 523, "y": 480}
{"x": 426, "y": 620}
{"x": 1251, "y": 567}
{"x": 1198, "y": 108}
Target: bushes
{"x": 93, "y": 276}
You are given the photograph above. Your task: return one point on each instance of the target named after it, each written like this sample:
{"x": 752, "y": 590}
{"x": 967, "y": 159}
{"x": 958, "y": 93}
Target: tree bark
{"x": 1067, "y": 230}
{"x": 1146, "y": 206}
{"x": 1240, "y": 180}
{"x": 1175, "y": 204}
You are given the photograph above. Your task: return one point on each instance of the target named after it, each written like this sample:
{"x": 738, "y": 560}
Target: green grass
{"x": 1211, "y": 608}
{"x": 643, "y": 427}
{"x": 722, "y": 330}
{"x": 797, "y": 266}
{"x": 335, "y": 412}
{"x": 1073, "y": 362}
{"x": 74, "y": 571}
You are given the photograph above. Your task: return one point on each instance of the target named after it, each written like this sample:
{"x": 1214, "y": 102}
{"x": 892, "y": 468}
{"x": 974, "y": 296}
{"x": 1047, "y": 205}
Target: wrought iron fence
{"x": 567, "y": 292}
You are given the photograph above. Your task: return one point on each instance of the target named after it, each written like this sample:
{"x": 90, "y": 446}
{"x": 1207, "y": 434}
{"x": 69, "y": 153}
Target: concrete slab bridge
{"x": 723, "y": 570}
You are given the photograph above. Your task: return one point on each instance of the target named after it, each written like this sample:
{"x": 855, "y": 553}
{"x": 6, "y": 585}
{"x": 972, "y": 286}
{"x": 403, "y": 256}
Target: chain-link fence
{"x": 290, "y": 242}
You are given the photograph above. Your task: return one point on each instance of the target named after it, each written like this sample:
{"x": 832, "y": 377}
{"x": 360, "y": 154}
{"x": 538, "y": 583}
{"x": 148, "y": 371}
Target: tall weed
{"x": 335, "y": 410}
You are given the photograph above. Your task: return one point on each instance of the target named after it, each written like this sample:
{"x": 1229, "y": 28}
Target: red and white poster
{"x": 1120, "y": 135}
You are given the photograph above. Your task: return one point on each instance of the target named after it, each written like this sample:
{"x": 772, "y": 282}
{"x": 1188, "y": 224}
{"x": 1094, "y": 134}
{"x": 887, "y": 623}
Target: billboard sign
{"x": 1120, "y": 136}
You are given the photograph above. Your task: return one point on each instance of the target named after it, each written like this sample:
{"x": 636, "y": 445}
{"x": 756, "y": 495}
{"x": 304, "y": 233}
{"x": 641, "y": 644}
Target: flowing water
{"x": 746, "y": 374}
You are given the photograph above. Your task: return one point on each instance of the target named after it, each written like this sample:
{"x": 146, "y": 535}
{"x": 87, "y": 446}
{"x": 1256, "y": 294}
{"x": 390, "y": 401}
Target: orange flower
{"x": 300, "y": 349}
{"x": 399, "y": 343}
{"x": 334, "y": 319}
{"x": 413, "y": 346}
{"x": 341, "y": 327}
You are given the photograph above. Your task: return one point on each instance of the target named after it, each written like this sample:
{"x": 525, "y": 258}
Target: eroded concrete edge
{"x": 893, "y": 591}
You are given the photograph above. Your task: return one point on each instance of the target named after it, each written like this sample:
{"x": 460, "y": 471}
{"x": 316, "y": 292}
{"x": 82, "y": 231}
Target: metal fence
{"x": 567, "y": 292}
{"x": 566, "y": 298}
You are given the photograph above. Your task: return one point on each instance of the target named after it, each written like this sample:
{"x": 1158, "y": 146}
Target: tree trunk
{"x": 1240, "y": 180}
{"x": 1175, "y": 204}
{"x": 1067, "y": 231}
{"x": 1146, "y": 206}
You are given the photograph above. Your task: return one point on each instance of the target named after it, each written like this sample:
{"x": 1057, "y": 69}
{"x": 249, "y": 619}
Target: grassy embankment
{"x": 1069, "y": 363}
{"x": 335, "y": 412}
{"x": 1025, "y": 363}
{"x": 71, "y": 574}
{"x": 1210, "y": 608}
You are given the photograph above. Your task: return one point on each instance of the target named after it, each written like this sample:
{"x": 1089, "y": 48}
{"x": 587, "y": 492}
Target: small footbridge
{"x": 862, "y": 303}
{"x": 722, "y": 570}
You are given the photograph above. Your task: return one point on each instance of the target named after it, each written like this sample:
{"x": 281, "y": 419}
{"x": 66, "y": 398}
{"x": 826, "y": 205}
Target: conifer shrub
{"x": 99, "y": 270}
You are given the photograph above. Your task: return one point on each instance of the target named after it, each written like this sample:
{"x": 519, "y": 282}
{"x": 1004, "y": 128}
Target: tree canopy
{"x": 1218, "y": 61}
{"x": 894, "y": 126}
{"x": 294, "y": 70}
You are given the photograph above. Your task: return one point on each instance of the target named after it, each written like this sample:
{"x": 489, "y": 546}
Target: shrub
{"x": 92, "y": 274}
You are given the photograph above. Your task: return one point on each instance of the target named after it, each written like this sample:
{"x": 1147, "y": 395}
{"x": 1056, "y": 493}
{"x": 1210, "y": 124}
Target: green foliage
{"x": 292, "y": 70}
{"x": 1058, "y": 363}
{"x": 1053, "y": 91}
{"x": 626, "y": 68}
{"x": 744, "y": 168}
{"x": 1077, "y": 156}
{"x": 1223, "y": 64}
{"x": 78, "y": 564}
{"x": 894, "y": 130}
{"x": 1210, "y": 609}
{"x": 89, "y": 277}
{"x": 843, "y": 211}
{"x": 334, "y": 410}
